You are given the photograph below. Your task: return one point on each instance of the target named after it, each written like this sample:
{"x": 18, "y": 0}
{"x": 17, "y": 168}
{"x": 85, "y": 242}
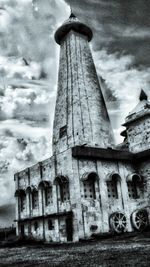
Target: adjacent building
{"x": 89, "y": 185}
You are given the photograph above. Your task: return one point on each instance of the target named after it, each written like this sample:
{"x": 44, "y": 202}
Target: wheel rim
{"x": 140, "y": 220}
{"x": 118, "y": 222}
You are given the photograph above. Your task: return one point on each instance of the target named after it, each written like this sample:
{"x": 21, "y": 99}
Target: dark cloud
{"x": 118, "y": 25}
{"x": 7, "y": 214}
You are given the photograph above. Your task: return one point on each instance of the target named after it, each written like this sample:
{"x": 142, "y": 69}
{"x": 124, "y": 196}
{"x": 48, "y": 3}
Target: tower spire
{"x": 143, "y": 95}
{"x": 71, "y": 13}
{"x": 72, "y": 24}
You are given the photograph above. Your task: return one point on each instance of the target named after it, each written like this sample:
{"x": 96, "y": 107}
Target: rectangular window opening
{"x": 112, "y": 189}
{"x": 48, "y": 196}
{"x": 63, "y": 131}
{"x": 34, "y": 200}
{"x": 64, "y": 192}
{"x": 23, "y": 203}
{"x": 50, "y": 225}
{"x": 89, "y": 189}
{"x": 132, "y": 190}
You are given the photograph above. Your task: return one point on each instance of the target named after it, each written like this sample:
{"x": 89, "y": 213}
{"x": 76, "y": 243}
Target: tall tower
{"x": 80, "y": 115}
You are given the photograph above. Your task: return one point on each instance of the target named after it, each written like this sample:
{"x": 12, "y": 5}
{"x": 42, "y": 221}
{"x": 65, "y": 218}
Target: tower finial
{"x": 143, "y": 95}
{"x": 71, "y": 13}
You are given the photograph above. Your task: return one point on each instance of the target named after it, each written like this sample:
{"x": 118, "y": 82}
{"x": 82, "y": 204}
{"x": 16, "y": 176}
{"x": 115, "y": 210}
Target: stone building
{"x": 89, "y": 185}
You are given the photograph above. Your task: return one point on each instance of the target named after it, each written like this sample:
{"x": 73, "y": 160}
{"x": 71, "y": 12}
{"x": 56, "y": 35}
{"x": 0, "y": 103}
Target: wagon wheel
{"x": 118, "y": 222}
{"x": 140, "y": 219}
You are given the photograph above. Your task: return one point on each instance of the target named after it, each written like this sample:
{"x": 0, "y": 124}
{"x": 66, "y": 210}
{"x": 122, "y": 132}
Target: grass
{"x": 134, "y": 251}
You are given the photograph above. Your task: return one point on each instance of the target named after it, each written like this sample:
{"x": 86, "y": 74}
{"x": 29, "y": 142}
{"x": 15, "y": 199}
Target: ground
{"x": 104, "y": 253}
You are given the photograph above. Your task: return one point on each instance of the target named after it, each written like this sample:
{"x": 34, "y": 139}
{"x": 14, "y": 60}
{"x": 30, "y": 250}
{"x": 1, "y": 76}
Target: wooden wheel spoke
{"x": 118, "y": 222}
{"x": 140, "y": 217}
{"x": 117, "y": 217}
{"x": 143, "y": 221}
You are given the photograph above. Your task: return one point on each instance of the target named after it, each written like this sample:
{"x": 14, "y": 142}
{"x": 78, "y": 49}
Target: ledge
{"x": 142, "y": 154}
{"x": 52, "y": 215}
{"x": 102, "y": 153}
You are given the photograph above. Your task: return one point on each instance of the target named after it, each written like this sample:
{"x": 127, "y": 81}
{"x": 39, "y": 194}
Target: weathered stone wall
{"x": 144, "y": 168}
{"x": 138, "y": 134}
{"x": 98, "y": 211}
{"x": 89, "y": 215}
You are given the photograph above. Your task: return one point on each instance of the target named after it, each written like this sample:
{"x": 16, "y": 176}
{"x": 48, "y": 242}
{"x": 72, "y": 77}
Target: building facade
{"x": 89, "y": 185}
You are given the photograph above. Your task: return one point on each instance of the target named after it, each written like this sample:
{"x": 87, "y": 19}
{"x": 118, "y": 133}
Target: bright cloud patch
{"x": 28, "y": 80}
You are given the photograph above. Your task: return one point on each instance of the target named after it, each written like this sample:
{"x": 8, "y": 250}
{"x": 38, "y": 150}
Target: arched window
{"x": 135, "y": 186}
{"x": 62, "y": 184}
{"x": 34, "y": 199}
{"x": 46, "y": 188}
{"x": 20, "y": 193}
{"x": 112, "y": 190}
{"x": 48, "y": 195}
{"x": 22, "y": 202}
{"x": 28, "y": 189}
{"x": 89, "y": 185}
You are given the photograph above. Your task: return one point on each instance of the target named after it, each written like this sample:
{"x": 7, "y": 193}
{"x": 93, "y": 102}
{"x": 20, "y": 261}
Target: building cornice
{"x": 108, "y": 153}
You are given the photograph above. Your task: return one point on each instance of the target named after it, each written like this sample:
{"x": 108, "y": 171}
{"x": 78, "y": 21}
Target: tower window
{"x": 48, "y": 195}
{"x": 63, "y": 131}
{"x": 34, "y": 199}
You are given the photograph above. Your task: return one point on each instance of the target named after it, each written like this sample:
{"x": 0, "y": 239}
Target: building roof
{"x": 143, "y": 96}
{"x": 141, "y": 109}
{"x": 72, "y": 24}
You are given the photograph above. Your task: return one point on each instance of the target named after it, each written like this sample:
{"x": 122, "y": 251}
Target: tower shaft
{"x": 80, "y": 114}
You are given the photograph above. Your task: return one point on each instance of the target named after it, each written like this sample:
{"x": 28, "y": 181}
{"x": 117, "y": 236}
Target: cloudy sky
{"x": 29, "y": 66}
